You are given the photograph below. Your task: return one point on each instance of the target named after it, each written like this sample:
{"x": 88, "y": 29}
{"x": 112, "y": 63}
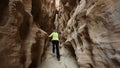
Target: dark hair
{"x": 55, "y": 30}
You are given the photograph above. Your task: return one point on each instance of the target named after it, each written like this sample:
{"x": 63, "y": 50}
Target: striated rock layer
{"x": 92, "y": 28}
{"x": 89, "y": 31}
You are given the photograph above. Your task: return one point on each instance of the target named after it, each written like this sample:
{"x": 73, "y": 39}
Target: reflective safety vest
{"x": 54, "y": 36}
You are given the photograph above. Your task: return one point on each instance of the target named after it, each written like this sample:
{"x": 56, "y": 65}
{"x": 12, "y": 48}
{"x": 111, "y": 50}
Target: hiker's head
{"x": 55, "y": 30}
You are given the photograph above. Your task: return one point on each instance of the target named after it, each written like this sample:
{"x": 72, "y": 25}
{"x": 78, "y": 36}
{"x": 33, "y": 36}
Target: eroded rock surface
{"x": 89, "y": 33}
{"x": 23, "y": 37}
{"x": 92, "y": 28}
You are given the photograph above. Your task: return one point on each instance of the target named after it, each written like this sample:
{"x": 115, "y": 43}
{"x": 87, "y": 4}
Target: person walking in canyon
{"x": 55, "y": 42}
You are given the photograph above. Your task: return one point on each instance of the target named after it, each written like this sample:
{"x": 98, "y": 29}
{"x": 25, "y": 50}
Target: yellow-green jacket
{"x": 54, "y": 36}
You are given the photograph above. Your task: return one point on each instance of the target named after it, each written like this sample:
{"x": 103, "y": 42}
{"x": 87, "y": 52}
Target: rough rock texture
{"x": 89, "y": 33}
{"x": 22, "y": 32}
{"x": 92, "y": 28}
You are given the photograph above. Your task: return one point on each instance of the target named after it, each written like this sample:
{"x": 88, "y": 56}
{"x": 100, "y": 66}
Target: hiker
{"x": 55, "y": 42}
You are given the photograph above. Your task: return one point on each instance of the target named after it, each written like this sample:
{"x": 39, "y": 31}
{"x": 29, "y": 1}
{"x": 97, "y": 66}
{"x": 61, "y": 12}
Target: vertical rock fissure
{"x": 3, "y": 12}
{"x": 44, "y": 21}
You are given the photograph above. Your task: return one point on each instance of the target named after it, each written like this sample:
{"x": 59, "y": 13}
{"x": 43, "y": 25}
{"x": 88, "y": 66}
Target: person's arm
{"x": 51, "y": 35}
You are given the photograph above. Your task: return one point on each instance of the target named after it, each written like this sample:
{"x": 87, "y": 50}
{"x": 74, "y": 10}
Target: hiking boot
{"x": 58, "y": 59}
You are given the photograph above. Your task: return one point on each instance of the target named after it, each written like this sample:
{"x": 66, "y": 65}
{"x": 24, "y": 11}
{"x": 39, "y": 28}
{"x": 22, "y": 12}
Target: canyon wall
{"x": 88, "y": 28}
{"x": 92, "y": 28}
{"x": 24, "y": 25}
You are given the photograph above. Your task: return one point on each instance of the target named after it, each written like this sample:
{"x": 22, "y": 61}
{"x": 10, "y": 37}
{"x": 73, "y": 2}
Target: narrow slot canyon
{"x": 67, "y": 59}
{"x": 88, "y": 30}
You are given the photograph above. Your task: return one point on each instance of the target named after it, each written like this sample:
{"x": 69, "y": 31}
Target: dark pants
{"x": 56, "y": 47}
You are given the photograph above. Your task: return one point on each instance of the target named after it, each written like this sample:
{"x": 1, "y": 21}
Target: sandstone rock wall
{"x": 92, "y": 28}
{"x": 22, "y": 31}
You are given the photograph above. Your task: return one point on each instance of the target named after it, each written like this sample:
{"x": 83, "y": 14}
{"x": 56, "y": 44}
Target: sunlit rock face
{"x": 92, "y": 28}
